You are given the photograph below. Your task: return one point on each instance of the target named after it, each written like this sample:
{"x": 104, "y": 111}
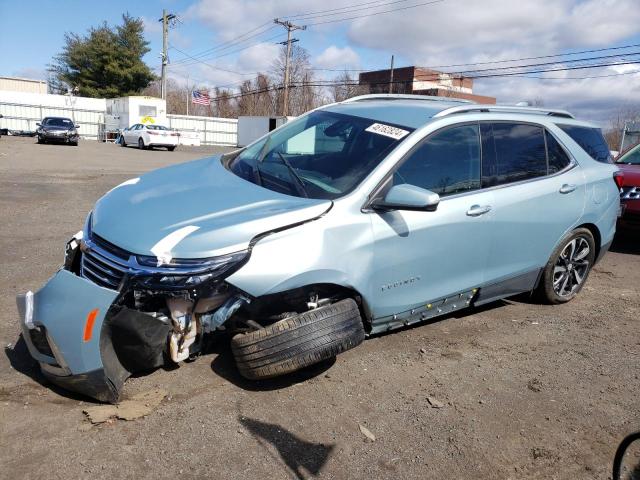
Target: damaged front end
{"x": 109, "y": 313}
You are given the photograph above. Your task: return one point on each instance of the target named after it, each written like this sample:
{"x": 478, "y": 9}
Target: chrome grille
{"x": 103, "y": 267}
{"x": 630, "y": 193}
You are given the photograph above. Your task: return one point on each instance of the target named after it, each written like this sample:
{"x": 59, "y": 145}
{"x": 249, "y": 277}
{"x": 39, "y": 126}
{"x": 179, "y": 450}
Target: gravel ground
{"x": 512, "y": 390}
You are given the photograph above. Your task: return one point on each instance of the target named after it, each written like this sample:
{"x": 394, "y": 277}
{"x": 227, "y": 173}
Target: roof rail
{"x": 504, "y": 109}
{"x": 398, "y": 96}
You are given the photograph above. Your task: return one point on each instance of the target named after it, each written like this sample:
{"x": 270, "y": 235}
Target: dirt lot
{"x": 523, "y": 390}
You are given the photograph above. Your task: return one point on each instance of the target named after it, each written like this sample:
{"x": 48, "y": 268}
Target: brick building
{"x": 422, "y": 81}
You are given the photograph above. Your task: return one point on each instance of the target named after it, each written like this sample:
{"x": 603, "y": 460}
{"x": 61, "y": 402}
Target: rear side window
{"x": 512, "y": 152}
{"x": 591, "y": 141}
{"x": 558, "y": 158}
{"x": 447, "y": 162}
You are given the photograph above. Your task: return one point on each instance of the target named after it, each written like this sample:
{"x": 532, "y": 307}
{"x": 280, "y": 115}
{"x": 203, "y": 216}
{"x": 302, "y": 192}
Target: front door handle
{"x": 567, "y": 188}
{"x": 477, "y": 210}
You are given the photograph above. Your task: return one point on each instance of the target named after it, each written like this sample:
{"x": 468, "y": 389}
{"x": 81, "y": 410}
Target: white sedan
{"x": 148, "y": 136}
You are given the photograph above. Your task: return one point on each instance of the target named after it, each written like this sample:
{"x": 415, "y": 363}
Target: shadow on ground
{"x": 224, "y": 365}
{"x": 22, "y": 362}
{"x": 300, "y": 456}
{"x": 626, "y": 242}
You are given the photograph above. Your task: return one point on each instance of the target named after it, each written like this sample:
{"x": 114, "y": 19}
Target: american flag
{"x": 201, "y": 98}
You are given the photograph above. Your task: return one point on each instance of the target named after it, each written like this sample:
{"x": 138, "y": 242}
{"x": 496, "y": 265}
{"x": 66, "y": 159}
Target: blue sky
{"x": 443, "y": 33}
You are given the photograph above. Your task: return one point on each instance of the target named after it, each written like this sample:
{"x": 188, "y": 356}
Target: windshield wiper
{"x": 294, "y": 174}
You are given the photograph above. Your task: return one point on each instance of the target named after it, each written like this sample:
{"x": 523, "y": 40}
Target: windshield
{"x": 632, "y": 157}
{"x": 57, "y": 122}
{"x": 323, "y": 155}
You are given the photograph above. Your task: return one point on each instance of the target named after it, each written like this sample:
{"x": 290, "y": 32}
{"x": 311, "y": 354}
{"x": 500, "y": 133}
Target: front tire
{"x": 141, "y": 144}
{"x": 568, "y": 268}
{"x": 299, "y": 341}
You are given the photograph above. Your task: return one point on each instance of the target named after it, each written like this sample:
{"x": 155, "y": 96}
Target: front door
{"x": 420, "y": 257}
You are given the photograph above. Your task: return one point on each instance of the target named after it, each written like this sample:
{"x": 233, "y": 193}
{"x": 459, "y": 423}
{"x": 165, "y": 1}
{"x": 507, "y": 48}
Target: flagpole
{"x": 188, "y": 94}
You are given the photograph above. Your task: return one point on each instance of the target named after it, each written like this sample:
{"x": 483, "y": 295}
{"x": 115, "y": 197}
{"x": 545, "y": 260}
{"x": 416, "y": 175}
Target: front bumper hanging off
{"x": 63, "y": 328}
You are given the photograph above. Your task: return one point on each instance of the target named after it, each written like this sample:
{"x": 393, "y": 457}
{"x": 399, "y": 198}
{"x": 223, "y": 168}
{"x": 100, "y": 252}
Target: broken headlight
{"x": 187, "y": 273}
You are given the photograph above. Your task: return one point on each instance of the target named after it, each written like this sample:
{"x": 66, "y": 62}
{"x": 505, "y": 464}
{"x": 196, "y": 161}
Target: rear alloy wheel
{"x": 299, "y": 341}
{"x": 141, "y": 143}
{"x": 569, "y": 266}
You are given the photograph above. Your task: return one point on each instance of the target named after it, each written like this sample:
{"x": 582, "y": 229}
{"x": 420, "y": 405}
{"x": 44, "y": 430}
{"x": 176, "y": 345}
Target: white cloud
{"x": 336, "y": 57}
{"x": 451, "y": 32}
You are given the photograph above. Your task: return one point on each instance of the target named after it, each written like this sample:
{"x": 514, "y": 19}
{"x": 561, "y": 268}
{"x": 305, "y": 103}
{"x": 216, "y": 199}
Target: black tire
{"x": 41, "y": 140}
{"x": 564, "y": 291}
{"x": 73, "y": 144}
{"x": 141, "y": 144}
{"x": 299, "y": 341}
{"x": 171, "y": 149}
{"x": 122, "y": 142}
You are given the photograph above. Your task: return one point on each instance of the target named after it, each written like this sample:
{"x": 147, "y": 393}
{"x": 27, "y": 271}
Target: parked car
{"x": 357, "y": 218}
{"x": 629, "y": 164}
{"x": 57, "y": 130}
{"x": 149, "y": 136}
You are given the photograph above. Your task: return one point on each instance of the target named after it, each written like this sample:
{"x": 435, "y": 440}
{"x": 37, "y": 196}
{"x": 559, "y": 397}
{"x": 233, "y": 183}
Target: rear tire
{"x": 171, "y": 149}
{"x": 568, "y": 268}
{"x": 299, "y": 341}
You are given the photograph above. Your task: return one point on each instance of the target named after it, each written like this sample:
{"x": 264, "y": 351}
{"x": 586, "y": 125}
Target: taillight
{"x": 618, "y": 177}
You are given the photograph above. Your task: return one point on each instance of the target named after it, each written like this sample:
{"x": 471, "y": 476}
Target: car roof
{"x": 411, "y": 113}
{"x": 415, "y": 111}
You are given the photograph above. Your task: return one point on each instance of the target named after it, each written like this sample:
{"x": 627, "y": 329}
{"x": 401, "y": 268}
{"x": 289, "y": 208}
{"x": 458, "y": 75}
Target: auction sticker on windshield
{"x": 387, "y": 131}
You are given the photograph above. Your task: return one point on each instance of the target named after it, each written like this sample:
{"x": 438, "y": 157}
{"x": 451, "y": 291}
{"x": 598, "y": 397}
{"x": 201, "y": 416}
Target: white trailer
{"x": 128, "y": 111}
{"x": 251, "y": 128}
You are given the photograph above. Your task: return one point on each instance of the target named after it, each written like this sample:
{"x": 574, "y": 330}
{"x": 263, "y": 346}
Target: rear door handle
{"x": 567, "y": 188}
{"x": 477, "y": 210}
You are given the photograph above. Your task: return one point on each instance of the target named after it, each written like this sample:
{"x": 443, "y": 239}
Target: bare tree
{"x": 613, "y": 134}
{"x": 303, "y": 94}
{"x": 346, "y": 87}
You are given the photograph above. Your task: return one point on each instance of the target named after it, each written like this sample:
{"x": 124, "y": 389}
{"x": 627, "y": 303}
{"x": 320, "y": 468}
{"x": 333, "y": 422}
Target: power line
{"x": 231, "y": 43}
{"x": 375, "y": 13}
{"x": 496, "y": 75}
{"x": 340, "y": 8}
{"x": 348, "y": 10}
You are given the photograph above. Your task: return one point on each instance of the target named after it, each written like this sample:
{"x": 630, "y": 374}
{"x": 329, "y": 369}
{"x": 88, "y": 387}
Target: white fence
{"x": 21, "y": 111}
{"x": 212, "y": 130}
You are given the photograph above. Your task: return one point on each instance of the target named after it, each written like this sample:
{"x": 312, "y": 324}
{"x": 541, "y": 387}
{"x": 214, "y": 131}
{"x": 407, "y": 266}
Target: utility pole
{"x": 166, "y": 18}
{"x": 391, "y": 77}
{"x": 290, "y": 28}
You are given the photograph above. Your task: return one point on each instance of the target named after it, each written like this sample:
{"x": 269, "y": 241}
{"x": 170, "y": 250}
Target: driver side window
{"x": 447, "y": 162}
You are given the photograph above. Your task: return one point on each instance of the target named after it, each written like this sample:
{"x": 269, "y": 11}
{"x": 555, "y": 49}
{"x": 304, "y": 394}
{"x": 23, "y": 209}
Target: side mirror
{"x": 407, "y": 197}
{"x": 38, "y": 124}
{"x": 76, "y": 126}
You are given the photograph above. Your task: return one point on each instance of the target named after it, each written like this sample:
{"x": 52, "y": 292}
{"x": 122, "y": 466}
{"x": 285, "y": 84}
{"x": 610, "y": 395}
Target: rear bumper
{"x": 630, "y": 218}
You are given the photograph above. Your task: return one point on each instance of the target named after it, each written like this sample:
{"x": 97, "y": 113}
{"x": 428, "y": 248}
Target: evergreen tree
{"x": 107, "y": 62}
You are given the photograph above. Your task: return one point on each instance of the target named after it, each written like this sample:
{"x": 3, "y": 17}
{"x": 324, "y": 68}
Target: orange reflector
{"x": 88, "y": 327}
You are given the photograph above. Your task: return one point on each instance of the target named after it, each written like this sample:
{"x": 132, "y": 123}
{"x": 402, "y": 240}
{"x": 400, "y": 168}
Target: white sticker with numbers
{"x": 387, "y": 131}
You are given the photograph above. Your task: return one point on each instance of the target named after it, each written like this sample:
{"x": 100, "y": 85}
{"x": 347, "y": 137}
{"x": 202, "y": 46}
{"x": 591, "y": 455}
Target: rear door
{"x": 538, "y": 194}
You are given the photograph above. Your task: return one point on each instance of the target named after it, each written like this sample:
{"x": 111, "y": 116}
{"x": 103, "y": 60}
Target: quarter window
{"x": 591, "y": 141}
{"x": 448, "y": 162}
{"x": 558, "y": 158}
{"x": 512, "y": 152}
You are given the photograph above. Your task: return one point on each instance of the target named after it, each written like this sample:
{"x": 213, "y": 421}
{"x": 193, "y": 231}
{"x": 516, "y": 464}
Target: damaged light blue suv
{"x": 356, "y": 218}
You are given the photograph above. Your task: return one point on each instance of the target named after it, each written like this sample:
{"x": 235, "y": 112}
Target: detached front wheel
{"x": 299, "y": 341}
{"x": 568, "y": 268}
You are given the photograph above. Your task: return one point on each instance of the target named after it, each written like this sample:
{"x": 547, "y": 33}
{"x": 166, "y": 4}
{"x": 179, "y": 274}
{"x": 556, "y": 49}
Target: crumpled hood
{"x": 195, "y": 210}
